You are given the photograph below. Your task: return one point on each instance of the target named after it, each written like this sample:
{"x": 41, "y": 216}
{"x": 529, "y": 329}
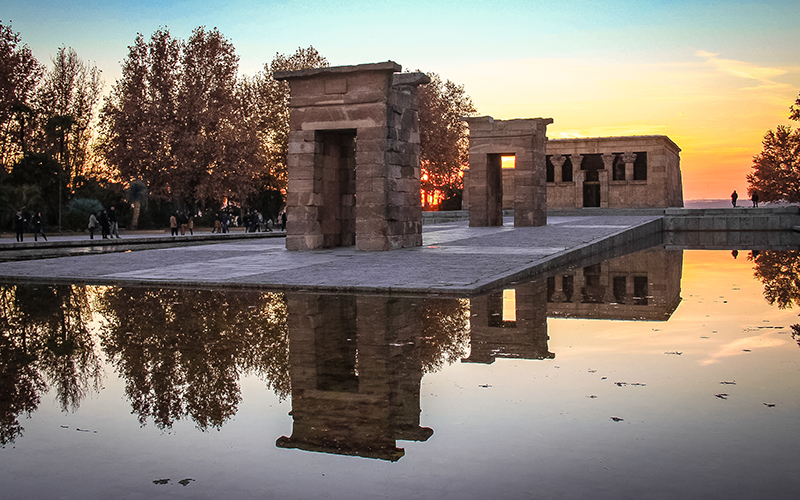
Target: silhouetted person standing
{"x": 283, "y": 221}
{"x": 734, "y": 197}
{"x": 173, "y": 225}
{"x": 105, "y": 224}
{"x": 19, "y": 225}
{"x": 38, "y": 228}
{"x": 755, "y": 199}
{"x": 184, "y": 222}
{"x": 112, "y": 219}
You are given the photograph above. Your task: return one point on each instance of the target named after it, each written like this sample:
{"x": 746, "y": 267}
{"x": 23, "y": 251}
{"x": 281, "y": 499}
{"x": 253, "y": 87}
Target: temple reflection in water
{"x": 356, "y": 372}
{"x": 352, "y": 364}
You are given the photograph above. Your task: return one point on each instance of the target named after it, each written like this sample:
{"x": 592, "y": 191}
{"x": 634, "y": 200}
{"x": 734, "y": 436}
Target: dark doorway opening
{"x": 494, "y": 185}
{"x": 335, "y": 168}
{"x": 591, "y": 194}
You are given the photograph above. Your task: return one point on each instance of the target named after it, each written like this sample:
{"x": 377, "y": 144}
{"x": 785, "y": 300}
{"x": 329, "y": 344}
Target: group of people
{"x": 252, "y": 222}
{"x": 21, "y": 223}
{"x": 107, "y": 221}
{"x": 181, "y": 221}
{"x": 753, "y": 198}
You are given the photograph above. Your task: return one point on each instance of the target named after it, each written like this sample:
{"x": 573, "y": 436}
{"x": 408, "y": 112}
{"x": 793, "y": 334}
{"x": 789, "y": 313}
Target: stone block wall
{"x": 663, "y": 186}
{"x": 489, "y": 140}
{"x": 353, "y": 164}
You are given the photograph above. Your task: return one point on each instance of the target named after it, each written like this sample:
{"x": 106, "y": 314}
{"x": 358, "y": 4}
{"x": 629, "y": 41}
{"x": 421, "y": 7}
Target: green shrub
{"x": 76, "y": 217}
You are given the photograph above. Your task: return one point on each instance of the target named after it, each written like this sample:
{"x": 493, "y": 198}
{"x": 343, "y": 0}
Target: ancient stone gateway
{"x": 353, "y": 162}
{"x": 489, "y": 141}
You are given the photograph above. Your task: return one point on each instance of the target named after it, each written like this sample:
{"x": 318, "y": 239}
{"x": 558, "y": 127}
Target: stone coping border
{"x": 60, "y": 247}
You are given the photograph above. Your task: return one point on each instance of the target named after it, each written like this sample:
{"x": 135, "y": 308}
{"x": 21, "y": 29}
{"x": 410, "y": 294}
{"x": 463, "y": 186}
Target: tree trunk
{"x": 137, "y": 206}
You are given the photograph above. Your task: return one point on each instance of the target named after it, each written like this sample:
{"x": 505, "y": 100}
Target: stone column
{"x": 578, "y": 176}
{"x": 558, "y": 163}
{"x": 629, "y": 158}
{"x": 603, "y": 176}
{"x": 558, "y": 295}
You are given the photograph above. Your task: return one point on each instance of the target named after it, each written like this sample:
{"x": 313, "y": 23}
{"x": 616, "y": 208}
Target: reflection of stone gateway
{"x": 493, "y": 336}
{"x": 353, "y": 163}
{"x": 356, "y": 374}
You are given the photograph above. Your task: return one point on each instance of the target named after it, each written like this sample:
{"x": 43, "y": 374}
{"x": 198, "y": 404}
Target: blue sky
{"x": 714, "y": 76}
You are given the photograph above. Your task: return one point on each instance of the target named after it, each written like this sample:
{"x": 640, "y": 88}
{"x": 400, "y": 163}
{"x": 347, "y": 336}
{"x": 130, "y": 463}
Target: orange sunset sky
{"x": 714, "y": 75}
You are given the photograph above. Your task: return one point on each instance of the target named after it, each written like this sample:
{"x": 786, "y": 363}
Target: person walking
{"x": 191, "y": 225}
{"x": 754, "y": 197}
{"x": 173, "y": 225}
{"x": 38, "y": 227}
{"x": 283, "y": 220}
{"x": 734, "y": 197}
{"x": 92, "y": 225}
{"x": 112, "y": 219}
{"x": 19, "y": 225}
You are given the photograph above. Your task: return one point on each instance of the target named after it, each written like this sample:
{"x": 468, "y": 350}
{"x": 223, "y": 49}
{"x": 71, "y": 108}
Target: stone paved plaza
{"x": 454, "y": 259}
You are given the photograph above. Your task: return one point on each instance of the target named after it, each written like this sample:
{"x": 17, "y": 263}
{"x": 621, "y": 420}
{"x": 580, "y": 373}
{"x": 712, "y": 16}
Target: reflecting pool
{"x": 658, "y": 374}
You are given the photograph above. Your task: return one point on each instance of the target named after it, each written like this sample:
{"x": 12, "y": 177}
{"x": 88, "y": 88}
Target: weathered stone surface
{"x": 354, "y": 157}
{"x": 491, "y": 139}
{"x": 662, "y": 186}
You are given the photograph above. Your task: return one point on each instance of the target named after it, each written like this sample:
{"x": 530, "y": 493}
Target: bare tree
{"x": 20, "y": 73}
{"x": 70, "y": 93}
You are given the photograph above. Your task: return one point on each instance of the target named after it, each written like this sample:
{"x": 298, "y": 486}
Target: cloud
{"x": 742, "y": 346}
{"x": 764, "y": 75}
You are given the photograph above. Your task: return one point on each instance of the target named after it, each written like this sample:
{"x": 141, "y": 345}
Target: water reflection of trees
{"x": 779, "y": 271}
{"x": 445, "y": 332}
{"x": 45, "y": 343}
{"x": 181, "y": 352}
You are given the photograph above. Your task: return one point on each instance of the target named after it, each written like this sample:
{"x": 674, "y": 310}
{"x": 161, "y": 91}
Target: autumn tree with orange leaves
{"x": 444, "y": 136}
{"x": 776, "y": 170}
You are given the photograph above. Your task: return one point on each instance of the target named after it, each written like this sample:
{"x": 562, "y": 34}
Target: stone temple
{"x": 608, "y": 172}
{"x": 353, "y": 164}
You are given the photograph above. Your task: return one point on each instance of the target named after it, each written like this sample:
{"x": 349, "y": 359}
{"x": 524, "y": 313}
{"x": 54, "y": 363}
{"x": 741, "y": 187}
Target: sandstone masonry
{"x": 353, "y": 164}
{"x": 489, "y": 141}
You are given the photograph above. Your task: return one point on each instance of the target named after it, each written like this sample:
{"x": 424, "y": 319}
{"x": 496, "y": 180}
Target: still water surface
{"x": 660, "y": 374}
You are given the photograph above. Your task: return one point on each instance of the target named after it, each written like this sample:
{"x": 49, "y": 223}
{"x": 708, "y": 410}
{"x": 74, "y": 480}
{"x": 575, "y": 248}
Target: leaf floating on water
{"x": 595, "y": 397}
{"x": 484, "y": 385}
{"x": 721, "y": 395}
{"x": 620, "y": 384}
{"x": 677, "y": 353}
{"x": 65, "y": 427}
{"x": 603, "y": 378}
{"x": 592, "y": 371}
{"x": 617, "y": 419}
{"x": 186, "y": 481}
{"x": 747, "y": 350}
{"x": 639, "y": 384}
{"x": 726, "y": 382}
{"x": 161, "y": 481}
{"x": 769, "y": 405}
